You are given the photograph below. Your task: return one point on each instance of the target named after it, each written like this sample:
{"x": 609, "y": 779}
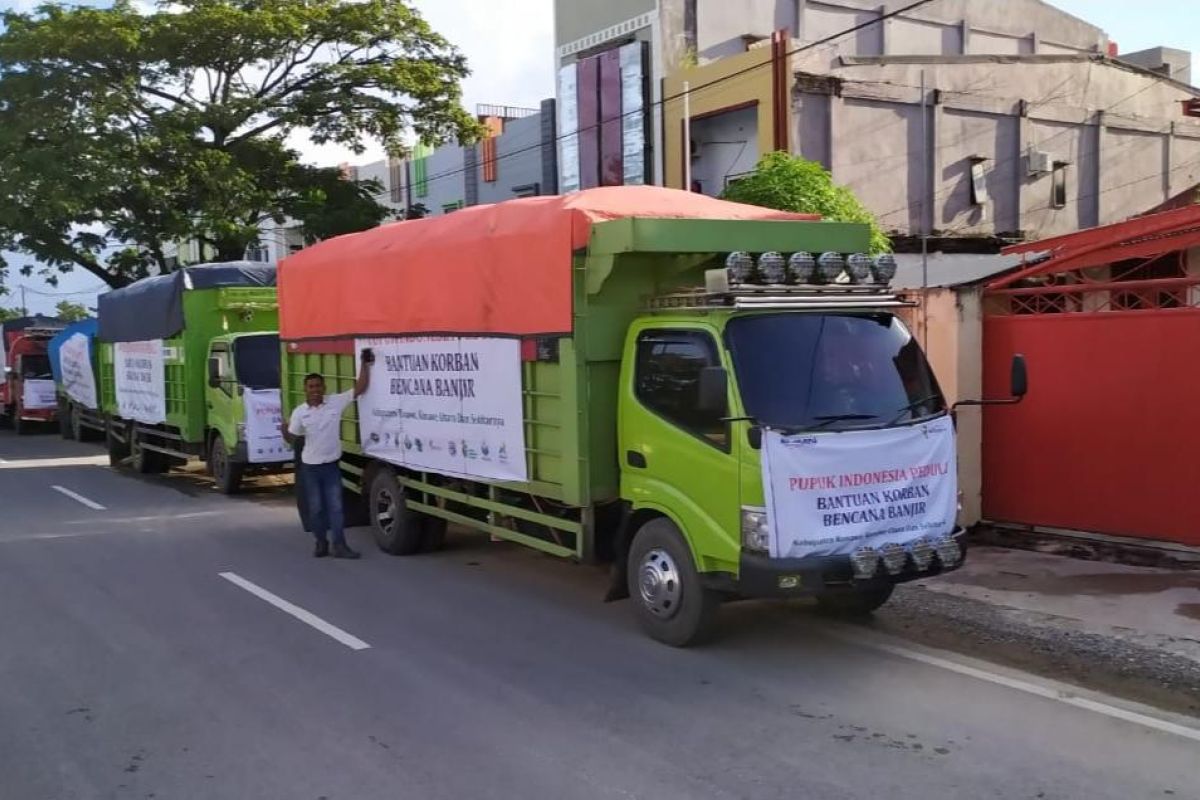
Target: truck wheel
{"x": 147, "y": 462}
{"x": 397, "y": 530}
{"x": 671, "y": 603}
{"x": 225, "y": 471}
{"x": 68, "y": 424}
{"x": 118, "y": 451}
{"x": 853, "y": 602}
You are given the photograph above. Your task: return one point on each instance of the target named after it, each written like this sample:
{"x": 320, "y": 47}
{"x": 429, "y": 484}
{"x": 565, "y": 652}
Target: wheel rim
{"x": 385, "y": 510}
{"x": 659, "y": 584}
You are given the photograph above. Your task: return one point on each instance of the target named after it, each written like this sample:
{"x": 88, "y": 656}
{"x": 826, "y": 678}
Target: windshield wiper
{"x": 913, "y": 405}
{"x": 832, "y": 418}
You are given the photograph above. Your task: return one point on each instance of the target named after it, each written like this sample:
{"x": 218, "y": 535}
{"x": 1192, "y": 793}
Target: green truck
{"x": 188, "y": 367}
{"x": 735, "y": 412}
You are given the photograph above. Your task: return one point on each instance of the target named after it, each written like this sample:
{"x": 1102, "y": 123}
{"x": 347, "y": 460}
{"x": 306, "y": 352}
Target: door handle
{"x": 635, "y": 459}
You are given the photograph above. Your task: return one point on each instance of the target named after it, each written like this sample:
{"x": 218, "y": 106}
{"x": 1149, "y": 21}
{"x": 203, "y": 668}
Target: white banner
{"x": 448, "y": 405}
{"x": 140, "y": 382}
{"x": 829, "y": 493}
{"x": 75, "y": 366}
{"x": 38, "y": 394}
{"x": 264, "y": 418}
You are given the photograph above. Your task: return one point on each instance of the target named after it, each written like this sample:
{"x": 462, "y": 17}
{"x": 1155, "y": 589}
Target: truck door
{"x": 219, "y": 398}
{"x": 675, "y": 456}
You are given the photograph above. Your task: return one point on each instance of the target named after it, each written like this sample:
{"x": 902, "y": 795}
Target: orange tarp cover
{"x": 493, "y": 269}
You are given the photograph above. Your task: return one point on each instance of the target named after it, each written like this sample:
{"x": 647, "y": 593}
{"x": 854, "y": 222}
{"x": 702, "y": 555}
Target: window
{"x": 979, "y": 194}
{"x": 257, "y": 360}
{"x": 221, "y": 354}
{"x": 831, "y": 371}
{"x": 667, "y": 381}
{"x": 450, "y": 208}
{"x": 1058, "y": 185}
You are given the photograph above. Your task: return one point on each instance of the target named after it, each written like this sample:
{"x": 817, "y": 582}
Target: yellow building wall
{"x": 752, "y": 83}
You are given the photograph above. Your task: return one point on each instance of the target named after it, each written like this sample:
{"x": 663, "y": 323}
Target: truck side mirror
{"x": 214, "y": 372}
{"x": 1019, "y": 380}
{"x": 713, "y": 390}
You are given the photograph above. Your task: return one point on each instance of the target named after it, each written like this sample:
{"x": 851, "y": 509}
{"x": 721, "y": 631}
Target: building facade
{"x": 968, "y": 122}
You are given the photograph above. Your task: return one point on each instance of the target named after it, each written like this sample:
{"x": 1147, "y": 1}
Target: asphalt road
{"x": 138, "y": 659}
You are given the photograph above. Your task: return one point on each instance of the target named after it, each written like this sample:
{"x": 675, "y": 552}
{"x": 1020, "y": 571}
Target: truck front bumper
{"x": 763, "y": 576}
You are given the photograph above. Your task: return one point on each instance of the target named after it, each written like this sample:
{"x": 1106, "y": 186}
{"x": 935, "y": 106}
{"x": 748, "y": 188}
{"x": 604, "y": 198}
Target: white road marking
{"x": 307, "y": 617}
{"x": 92, "y": 504}
{"x": 40, "y": 463}
{"x": 150, "y": 518}
{"x": 1060, "y": 693}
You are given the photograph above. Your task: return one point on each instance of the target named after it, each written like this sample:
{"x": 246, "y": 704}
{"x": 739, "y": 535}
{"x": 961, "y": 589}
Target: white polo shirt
{"x": 321, "y": 427}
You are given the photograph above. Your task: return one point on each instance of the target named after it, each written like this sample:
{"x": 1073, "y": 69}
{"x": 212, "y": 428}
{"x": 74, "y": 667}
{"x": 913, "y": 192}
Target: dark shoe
{"x": 321, "y": 550}
{"x": 342, "y": 551}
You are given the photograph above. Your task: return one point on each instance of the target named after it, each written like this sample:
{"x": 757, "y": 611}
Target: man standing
{"x": 319, "y": 421}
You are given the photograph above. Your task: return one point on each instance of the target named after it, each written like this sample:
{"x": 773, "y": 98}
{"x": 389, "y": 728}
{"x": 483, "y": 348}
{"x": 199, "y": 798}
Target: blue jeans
{"x": 323, "y": 491}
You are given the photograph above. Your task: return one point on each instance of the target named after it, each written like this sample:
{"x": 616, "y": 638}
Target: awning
{"x": 1140, "y": 237}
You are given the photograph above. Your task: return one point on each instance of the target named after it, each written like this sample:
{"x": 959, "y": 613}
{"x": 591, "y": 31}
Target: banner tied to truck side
{"x": 38, "y": 395}
{"x": 75, "y": 362}
{"x": 139, "y": 381}
{"x": 831, "y": 493}
{"x": 264, "y": 427}
{"x": 450, "y": 405}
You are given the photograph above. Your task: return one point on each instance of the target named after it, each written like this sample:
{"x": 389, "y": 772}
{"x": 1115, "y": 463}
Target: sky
{"x": 509, "y": 45}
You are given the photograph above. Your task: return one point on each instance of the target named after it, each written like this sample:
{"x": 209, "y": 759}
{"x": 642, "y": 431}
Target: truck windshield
{"x": 830, "y": 371}
{"x": 257, "y": 361}
{"x": 35, "y": 367}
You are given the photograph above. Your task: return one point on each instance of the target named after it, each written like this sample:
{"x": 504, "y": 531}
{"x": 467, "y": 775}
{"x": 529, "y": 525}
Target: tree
{"x": 788, "y": 183}
{"x": 12, "y": 313}
{"x": 121, "y": 131}
{"x": 71, "y": 312}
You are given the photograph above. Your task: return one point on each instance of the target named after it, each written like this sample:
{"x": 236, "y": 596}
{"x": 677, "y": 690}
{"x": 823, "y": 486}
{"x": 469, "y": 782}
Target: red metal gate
{"x": 1108, "y": 438}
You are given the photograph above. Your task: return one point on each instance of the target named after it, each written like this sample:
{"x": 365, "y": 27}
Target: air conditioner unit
{"x": 1039, "y": 162}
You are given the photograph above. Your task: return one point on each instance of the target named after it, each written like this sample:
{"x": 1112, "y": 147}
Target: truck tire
{"x": 225, "y": 471}
{"x": 397, "y": 530}
{"x": 67, "y": 422}
{"x": 671, "y": 603}
{"x": 853, "y": 602}
{"x": 118, "y": 451}
{"x": 147, "y": 462}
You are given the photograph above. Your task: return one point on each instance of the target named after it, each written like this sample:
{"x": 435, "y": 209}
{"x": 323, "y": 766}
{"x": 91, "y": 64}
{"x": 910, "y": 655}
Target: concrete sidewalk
{"x": 1155, "y": 608}
{"x": 1129, "y": 631}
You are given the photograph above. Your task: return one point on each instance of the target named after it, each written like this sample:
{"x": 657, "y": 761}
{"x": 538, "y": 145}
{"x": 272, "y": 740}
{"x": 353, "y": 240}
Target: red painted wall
{"x": 1108, "y": 438}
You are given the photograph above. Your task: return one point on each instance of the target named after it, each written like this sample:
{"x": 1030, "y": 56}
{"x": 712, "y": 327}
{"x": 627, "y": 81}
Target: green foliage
{"x": 12, "y": 313}
{"x": 121, "y": 131}
{"x": 70, "y": 312}
{"x": 788, "y": 183}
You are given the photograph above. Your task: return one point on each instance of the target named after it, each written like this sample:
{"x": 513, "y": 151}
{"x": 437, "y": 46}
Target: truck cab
{"x": 237, "y": 364}
{"x": 28, "y": 381}
{"x": 713, "y": 380}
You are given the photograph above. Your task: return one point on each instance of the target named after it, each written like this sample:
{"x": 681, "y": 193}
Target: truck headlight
{"x": 756, "y": 535}
{"x": 948, "y": 551}
{"x": 922, "y": 553}
{"x": 894, "y": 558}
{"x": 865, "y": 562}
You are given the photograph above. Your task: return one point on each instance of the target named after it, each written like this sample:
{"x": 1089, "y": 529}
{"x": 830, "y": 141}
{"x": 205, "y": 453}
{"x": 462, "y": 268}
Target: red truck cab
{"x": 27, "y": 393}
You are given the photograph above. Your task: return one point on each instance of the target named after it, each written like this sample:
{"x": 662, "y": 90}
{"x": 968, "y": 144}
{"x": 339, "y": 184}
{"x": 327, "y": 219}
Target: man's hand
{"x": 364, "y": 372}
